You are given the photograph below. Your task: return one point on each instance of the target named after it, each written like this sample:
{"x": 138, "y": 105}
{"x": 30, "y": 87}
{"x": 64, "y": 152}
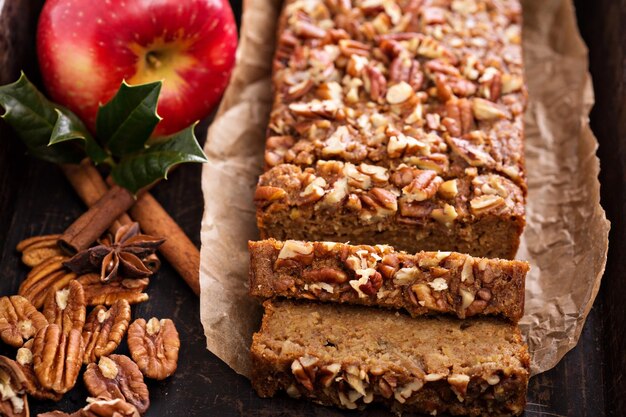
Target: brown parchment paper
{"x": 566, "y": 238}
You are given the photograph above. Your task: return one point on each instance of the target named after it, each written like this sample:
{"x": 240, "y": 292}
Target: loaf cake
{"x": 424, "y": 283}
{"x": 350, "y": 356}
{"x": 397, "y": 122}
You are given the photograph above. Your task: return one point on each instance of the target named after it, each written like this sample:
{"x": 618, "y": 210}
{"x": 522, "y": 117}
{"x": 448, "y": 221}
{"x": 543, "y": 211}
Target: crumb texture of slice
{"x": 423, "y": 283}
{"x": 351, "y": 356}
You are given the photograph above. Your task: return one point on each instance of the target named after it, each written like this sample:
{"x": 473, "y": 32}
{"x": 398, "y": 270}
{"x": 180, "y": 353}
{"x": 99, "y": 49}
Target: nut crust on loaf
{"x": 431, "y": 94}
{"x": 424, "y": 283}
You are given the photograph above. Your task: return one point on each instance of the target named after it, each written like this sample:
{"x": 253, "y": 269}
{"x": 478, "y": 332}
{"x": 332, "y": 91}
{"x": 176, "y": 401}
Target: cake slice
{"x": 424, "y": 283}
{"x": 409, "y": 208}
{"x": 350, "y": 356}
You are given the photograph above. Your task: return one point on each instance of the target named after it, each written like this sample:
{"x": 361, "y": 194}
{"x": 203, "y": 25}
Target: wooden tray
{"x": 36, "y": 199}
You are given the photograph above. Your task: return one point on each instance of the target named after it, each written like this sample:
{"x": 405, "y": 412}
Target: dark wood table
{"x": 36, "y": 199}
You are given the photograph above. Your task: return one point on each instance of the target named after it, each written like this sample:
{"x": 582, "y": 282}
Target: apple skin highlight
{"x": 86, "y": 48}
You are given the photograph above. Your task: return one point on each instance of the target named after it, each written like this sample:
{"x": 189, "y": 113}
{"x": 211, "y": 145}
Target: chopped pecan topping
{"x": 117, "y": 376}
{"x": 388, "y": 266}
{"x": 300, "y": 89}
{"x": 473, "y": 153}
{"x": 57, "y": 358}
{"x": 275, "y": 149}
{"x": 350, "y": 47}
{"x": 154, "y": 347}
{"x": 416, "y": 210}
{"x": 308, "y": 30}
{"x": 327, "y": 275}
{"x": 384, "y": 198}
{"x": 459, "y": 119}
{"x": 485, "y": 203}
{"x": 326, "y": 374}
{"x": 491, "y": 84}
{"x": 66, "y": 308}
{"x": 304, "y": 370}
{"x": 314, "y": 109}
{"x": 371, "y": 285}
{"x": 399, "y": 93}
{"x": 404, "y": 69}
{"x": 376, "y": 83}
{"x": 423, "y": 186}
{"x": 488, "y": 110}
{"x": 445, "y": 215}
{"x": 268, "y": 193}
{"x": 296, "y": 250}
{"x": 458, "y": 384}
{"x": 104, "y": 329}
{"x": 19, "y": 320}
{"x": 448, "y": 189}
{"x": 37, "y": 249}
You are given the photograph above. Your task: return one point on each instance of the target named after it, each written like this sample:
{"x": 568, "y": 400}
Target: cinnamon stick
{"x": 178, "y": 249}
{"x": 90, "y": 226}
{"x": 88, "y": 184}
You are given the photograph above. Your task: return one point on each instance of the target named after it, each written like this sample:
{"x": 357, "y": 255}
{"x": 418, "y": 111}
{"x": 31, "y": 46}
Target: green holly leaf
{"x": 125, "y": 123}
{"x": 69, "y": 127}
{"x": 33, "y": 117}
{"x": 137, "y": 171}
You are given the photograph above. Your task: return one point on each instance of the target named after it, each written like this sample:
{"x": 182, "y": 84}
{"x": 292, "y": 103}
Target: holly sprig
{"x": 124, "y": 126}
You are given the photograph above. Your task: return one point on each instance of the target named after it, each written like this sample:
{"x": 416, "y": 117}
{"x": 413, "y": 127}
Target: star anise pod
{"x": 128, "y": 254}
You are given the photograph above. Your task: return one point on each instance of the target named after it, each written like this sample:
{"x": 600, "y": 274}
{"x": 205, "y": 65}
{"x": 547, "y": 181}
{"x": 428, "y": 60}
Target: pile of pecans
{"x": 54, "y": 334}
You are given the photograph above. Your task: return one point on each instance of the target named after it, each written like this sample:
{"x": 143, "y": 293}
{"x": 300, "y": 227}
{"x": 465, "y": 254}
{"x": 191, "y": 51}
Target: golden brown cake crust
{"x": 350, "y": 356}
{"x": 432, "y": 93}
{"x": 424, "y": 283}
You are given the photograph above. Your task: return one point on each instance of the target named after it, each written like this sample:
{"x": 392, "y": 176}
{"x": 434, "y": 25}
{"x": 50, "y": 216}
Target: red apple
{"x": 87, "y": 47}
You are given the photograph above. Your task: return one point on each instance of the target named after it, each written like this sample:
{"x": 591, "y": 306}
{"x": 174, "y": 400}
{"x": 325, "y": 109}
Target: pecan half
{"x": 57, "y": 358}
{"x": 117, "y": 376}
{"x": 105, "y": 329}
{"x": 19, "y": 320}
{"x": 24, "y": 360}
{"x": 13, "y": 400}
{"x": 49, "y": 275}
{"x": 97, "y": 292}
{"x": 66, "y": 308}
{"x": 154, "y": 346}
{"x": 37, "y": 249}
